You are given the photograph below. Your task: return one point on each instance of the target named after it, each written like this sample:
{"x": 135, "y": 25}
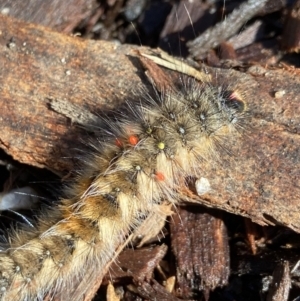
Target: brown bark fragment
{"x": 138, "y": 264}
{"x": 154, "y": 291}
{"x": 227, "y": 51}
{"x": 213, "y": 36}
{"x": 248, "y": 36}
{"x": 39, "y": 66}
{"x": 250, "y": 232}
{"x": 281, "y": 284}
{"x": 161, "y": 80}
{"x": 291, "y": 32}
{"x": 265, "y": 53}
{"x": 200, "y": 245}
{"x": 60, "y": 15}
{"x": 184, "y": 22}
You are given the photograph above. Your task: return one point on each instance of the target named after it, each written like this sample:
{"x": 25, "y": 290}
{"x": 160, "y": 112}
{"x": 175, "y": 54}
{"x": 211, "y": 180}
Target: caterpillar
{"x": 140, "y": 159}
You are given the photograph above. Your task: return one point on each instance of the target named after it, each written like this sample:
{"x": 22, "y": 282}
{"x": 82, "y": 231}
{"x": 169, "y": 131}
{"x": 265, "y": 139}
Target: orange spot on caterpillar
{"x": 159, "y": 176}
{"x": 118, "y": 142}
{"x": 133, "y": 140}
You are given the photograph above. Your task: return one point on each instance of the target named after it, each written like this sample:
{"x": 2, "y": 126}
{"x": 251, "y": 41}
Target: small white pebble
{"x": 257, "y": 70}
{"x": 279, "y": 94}
{"x": 202, "y": 186}
{"x": 5, "y": 11}
{"x": 11, "y": 45}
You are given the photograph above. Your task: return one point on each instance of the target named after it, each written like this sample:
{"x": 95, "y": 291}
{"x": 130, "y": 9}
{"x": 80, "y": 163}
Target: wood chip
{"x": 200, "y": 245}
{"x": 60, "y": 15}
{"x": 136, "y": 264}
{"x": 281, "y": 283}
{"x": 291, "y": 32}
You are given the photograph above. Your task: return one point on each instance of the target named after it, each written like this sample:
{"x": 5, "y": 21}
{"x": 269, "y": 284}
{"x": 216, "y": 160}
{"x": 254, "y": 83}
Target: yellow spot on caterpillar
{"x": 161, "y": 145}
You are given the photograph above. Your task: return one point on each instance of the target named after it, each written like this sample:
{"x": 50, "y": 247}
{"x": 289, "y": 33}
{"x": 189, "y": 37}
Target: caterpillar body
{"x": 141, "y": 159}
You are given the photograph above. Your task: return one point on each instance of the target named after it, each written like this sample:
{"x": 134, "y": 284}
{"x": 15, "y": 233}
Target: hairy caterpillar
{"x": 140, "y": 160}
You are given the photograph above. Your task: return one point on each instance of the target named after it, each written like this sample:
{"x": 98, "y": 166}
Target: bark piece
{"x": 224, "y": 30}
{"x": 138, "y": 264}
{"x": 227, "y": 51}
{"x": 184, "y": 22}
{"x": 200, "y": 245}
{"x": 39, "y": 67}
{"x": 291, "y": 32}
{"x": 154, "y": 291}
{"x": 281, "y": 283}
{"x": 61, "y": 15}
{"x": 265, "y": 53}
{"x": 250, "y": 233}
{"x": 248, "y": 36}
